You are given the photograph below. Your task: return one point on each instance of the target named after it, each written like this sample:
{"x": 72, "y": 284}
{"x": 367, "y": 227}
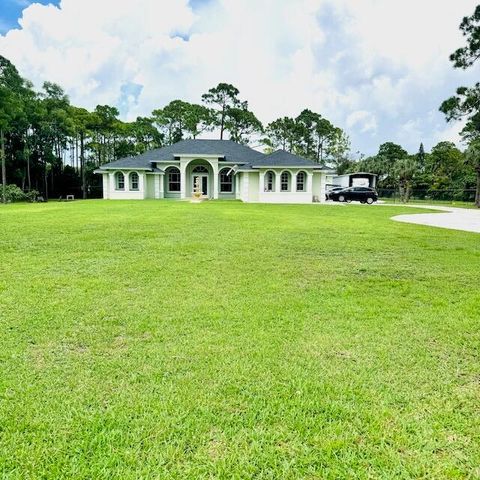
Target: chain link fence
{"x": 447, "y": 197}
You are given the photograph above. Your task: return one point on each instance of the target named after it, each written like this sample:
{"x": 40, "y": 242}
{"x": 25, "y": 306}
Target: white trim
{"x": 196, "y": 156}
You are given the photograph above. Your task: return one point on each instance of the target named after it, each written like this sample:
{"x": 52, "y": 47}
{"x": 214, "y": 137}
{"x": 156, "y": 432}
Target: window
{"x": 173, "y": 179}
{"x": 226, "y": 181}
{"x": 269, "y": 182}
{"x": 134, "y": 181}
{"x": 200, "y": 169}
{"x": 285, "y": 182}
{"x": 119, "y": 181}
{"x": 301, "y": 177}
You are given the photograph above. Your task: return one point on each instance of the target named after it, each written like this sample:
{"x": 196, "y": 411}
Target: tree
{"x": 466, "y": 103}
{"x": 222, "y": 97}
{"x": 281, "y": 133}
{"x": 473, "y": 158}
{"x": 198, "y": 119}
{"x": 241, "y": 123}
{"x": 466, "y": 56}
{"x": 405, "y": 169}
{"x": 11, "y": 89}
{"x": 421, "y": 157}
{"x": 318, "y": 138}
{"x": 171, "y": 120}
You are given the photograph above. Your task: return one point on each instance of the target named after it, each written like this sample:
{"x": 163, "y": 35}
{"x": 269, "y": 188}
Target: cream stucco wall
{"x": 126, "y": 193}
{"x": 249, "y": 186}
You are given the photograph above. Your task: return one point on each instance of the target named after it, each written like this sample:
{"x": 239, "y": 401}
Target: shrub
{"x": 16, "y": 194}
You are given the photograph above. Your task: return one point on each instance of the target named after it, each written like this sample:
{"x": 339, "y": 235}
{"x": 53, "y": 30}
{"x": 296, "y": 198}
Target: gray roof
{"x": 229, "y": 150}
{"x": 282, "y": 158}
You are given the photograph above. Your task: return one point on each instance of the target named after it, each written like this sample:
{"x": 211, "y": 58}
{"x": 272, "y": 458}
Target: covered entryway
{"x": 200, "y": 172}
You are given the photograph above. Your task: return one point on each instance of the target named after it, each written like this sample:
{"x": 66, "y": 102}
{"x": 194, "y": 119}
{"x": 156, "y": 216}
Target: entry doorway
{"x": 203, "y": 182}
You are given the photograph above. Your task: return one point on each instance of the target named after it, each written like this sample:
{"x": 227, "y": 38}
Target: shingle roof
{"x": 230, "y": 150}
{"x": 282, "y": 158}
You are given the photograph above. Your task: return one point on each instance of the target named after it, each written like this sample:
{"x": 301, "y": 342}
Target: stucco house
{"x": 225, "y": 169}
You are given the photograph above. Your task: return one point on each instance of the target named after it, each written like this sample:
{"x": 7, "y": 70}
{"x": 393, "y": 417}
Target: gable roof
{"x": 229, "y": 150}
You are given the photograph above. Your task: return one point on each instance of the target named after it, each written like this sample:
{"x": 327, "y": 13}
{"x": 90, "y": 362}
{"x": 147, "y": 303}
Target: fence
{"x": 450, "y": 196}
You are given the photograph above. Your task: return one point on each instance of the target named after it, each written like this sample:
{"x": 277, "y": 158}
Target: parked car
{"x": 332, "y": 190}
{"x": 360, "y": 194}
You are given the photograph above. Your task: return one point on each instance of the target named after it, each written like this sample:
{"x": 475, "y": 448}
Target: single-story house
{"x": 356, "y": 179}
{"x": 224, "y": 169}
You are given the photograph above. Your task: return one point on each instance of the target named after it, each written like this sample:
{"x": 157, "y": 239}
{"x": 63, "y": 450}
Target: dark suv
{"x": 360, "y": 194}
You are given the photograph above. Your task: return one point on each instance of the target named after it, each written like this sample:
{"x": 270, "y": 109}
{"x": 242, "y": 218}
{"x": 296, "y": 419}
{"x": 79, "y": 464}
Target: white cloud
{"x": 370, "y": 66}
{"x": 363, "y": 120}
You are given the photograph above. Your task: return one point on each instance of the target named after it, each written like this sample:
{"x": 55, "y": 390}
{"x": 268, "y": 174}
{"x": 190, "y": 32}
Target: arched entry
{"x": 200, "y": 173}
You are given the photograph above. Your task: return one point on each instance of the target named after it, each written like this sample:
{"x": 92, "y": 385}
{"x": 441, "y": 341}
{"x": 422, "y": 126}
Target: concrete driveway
{"x": 451, "y": 217}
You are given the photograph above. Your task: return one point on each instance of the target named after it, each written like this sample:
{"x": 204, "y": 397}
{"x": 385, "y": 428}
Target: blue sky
{"x": 378, "y": 69}
{"x": 11, "y": 11}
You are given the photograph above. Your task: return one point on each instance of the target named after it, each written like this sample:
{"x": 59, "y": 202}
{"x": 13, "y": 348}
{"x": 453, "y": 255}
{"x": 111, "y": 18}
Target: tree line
{"x": 445, "y": 170}
{"x": 444, "y": 173}
{"x": 51, "y": 147}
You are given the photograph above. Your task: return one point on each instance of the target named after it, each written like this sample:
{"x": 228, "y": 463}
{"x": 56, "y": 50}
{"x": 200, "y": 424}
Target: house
{"x": 224, "y": 169}
{"x": 356, "y": 179}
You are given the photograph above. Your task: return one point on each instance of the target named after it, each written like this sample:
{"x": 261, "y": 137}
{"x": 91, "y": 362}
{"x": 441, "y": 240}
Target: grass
{"x": 447, "y": 203}
{"x": 165, "y": 340}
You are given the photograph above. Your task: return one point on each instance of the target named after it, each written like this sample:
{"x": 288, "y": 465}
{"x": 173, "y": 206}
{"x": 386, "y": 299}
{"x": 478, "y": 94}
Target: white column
{"x": 161, "y": 182}
{"x": 141, "y": 184}
{"x": 111, "y": 184}
{"x": 310, "y": 183}
{"x": 237, "y": 185}
{"x": 277, "y": 181}
{"x": 246, "y": 187}
{"x": 106, "y": 185}
{"x": 156, "y": 186}
{"x": 183, "y": 180}
{"x": 323, "y": 181}
{"x": 261, "y": 185}
{"x": 215, "y": 182}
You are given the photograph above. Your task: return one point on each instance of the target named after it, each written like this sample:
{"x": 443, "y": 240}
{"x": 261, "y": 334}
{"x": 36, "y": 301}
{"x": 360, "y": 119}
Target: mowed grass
{"x": 163, "y": 339}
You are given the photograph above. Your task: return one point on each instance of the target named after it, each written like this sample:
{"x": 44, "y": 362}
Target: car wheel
{"x": 341, "y": 198}
{"x": 369, "y": 200}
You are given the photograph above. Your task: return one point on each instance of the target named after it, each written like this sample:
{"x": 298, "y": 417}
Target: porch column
{"x": 106, "y": 185}
{"x": 183, "y": 180}
{"x": 277, "y": 181}
{"x": 215, "y": 181}
{"x": 156, "y": 186}
{"x": 161, "y": 182}
{"x": 310, "y": 183}
{"x": 111, "y": 184}
{"x": 323, "y": 181}
{"x": 142, "y": 180}
{"x": 261, "y": 184}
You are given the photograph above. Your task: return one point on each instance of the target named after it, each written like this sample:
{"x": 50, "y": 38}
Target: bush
{"x": 16, "y": 194}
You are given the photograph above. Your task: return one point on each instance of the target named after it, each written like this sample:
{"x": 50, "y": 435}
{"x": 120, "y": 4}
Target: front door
{"x": 203, "y": 183}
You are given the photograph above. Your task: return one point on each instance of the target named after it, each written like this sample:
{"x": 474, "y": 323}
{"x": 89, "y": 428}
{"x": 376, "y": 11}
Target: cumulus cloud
{"x": 378, "y": 69}
{"x": 363, "y": 120}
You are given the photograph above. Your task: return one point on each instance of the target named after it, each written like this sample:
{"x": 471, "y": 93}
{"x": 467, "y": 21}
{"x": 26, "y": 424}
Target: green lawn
{"x": 158, "y": 340}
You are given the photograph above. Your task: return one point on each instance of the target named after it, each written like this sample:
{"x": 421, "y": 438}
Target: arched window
{"x": 173, "y": 179}
{"x": 301, "y": 180}
{"x": 226, "y": 180}
{"x": 119, "y": 181}
{"x": 134, "y": 181}
{"x": 200, "y": 169}
{"x": 285, "y": 182}
{"x": 269, "y": 181}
